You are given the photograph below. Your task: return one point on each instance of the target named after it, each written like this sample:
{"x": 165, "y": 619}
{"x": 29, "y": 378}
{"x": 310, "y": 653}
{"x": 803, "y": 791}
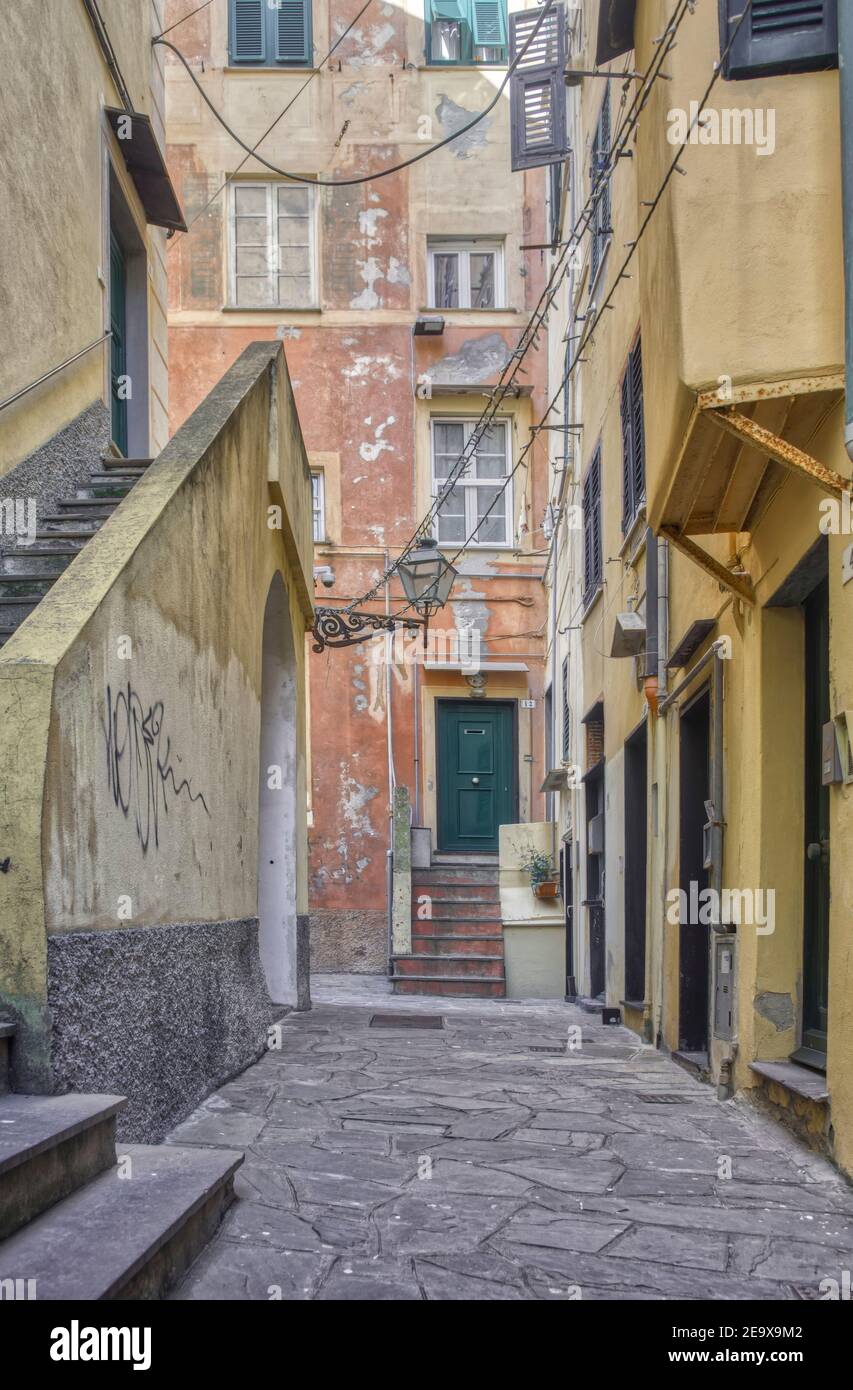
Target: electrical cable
{"x": 539, "y": 316}
{"x": 589, "y": 329}
{"x": 297, "y": 94}
{"x": 183, "y": 19}
{"x": 380, "y": 173}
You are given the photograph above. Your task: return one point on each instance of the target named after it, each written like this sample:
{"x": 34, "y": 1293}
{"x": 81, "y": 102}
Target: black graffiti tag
{"x": 139, "y": 763}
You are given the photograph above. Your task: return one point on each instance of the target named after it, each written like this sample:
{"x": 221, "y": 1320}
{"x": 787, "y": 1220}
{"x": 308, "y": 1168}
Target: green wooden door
{"x": 476, "y": 774}
{"x": 118, "y": 343}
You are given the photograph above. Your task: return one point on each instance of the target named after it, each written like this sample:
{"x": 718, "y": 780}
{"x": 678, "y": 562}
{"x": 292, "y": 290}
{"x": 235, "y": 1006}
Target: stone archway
{"x": 277, "y": 809}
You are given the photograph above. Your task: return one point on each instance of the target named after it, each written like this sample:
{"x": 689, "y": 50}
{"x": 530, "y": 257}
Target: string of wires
{"x": 538, "y": 319}
{"x": 379, "y": 173}
{"x": 591, "y": 325}
{"x": 281, "y": 115}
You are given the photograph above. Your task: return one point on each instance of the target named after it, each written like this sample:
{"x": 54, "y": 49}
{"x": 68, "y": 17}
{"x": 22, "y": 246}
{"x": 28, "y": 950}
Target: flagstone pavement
{"x": 488, "y": 1160}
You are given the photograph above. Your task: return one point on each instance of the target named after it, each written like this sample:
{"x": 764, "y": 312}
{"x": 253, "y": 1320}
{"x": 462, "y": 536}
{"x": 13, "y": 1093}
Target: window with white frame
{"x": 480, "y": 502}
{"x": 318, "y": 505}
{"x": 465, "y": 274}
{"x": 272, "y": 246}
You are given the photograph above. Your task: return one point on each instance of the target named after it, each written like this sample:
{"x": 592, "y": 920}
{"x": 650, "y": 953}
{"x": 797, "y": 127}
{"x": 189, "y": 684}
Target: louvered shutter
{"x": 247, "y": 31}
{"x": 637, "y": 427}
{"x": 449, "y": 9}
{"x": 489, "y": 23}
{"x": 627, "y": 453}
{"x": 539, "y": 133}
{"x": 293, "y": 31}
{"x": 779, "y": 36}
{"x": 566, "y": 715}
{"x": 592, "y": 527}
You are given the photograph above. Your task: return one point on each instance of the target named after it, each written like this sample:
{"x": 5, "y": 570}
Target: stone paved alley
{"x": 587, "y": 1174}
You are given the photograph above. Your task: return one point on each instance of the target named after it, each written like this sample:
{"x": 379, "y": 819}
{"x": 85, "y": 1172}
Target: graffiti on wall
{"x": 140, "y": 772}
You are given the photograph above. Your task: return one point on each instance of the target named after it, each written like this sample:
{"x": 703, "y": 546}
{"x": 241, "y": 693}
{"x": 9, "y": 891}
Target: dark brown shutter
{"x": 779, "y": 36}
{"x": 538, "y": 129}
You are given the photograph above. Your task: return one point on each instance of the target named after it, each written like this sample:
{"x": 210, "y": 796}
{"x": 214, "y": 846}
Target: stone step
{"x": 458, "y": 879}
{"x": 457, "y": 926}
{"x": 125, "y": 477}
{"x": 115, "y": 461}
{"x": 84, "y": 524}
{"x": 468, "y": 987}
{"x": 88, "y": 506}
{"x": 7, "y": 1033}
{"x": 457, "y": 945}
{"x": 131, "y": 1237}
{"x": 49, "y": 1147}
{"x": 38, "y": 562}
{"x": 464, "y": 908}
{"x": 452, "y": 966}
{"x": 23, "y": 589}
{"x": 112, "y": 490}
{"x": 73, "y": 532}
{"x": 51, "y": 543}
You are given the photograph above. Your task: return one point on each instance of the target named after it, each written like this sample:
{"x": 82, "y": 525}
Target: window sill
{"x": 591, "y": 602}
{"x": 463, "y": 309}
{"x": 270, "y": 67}
{"x": 269, "y": 309}
{"x": 634, "y": 536}
{"x": 462, "y": 67}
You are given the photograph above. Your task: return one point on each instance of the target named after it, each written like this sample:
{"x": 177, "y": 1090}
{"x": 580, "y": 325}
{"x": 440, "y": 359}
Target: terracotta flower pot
{"x": 548, "y": 889}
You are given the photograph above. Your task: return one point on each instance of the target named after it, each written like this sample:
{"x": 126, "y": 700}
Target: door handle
{"x": 476, "y": 781}
{"x": 818, "y": 849}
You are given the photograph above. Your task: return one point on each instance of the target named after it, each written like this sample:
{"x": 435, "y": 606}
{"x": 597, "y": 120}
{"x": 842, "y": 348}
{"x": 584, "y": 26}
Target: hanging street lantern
{"x": 427, "y": 579}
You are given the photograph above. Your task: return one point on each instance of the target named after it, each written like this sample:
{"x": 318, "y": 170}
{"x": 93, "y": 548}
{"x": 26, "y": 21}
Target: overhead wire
{"x": 589, "y": 329}
{"x": 379, "y": 173}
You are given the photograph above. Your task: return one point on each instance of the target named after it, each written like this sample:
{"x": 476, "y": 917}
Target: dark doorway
{"x": 594, "y": 901}
{"x": 567, "y": 885}
{"x": 635, "y": 865}
{"x": 694, "y": 938}
{"x": 118, "y": 344}
{"x": 816, "y": 808}
{"x": 476, "y": 773}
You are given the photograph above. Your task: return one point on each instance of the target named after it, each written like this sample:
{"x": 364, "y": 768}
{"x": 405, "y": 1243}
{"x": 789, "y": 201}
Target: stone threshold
{"x": 795, "y": 1078}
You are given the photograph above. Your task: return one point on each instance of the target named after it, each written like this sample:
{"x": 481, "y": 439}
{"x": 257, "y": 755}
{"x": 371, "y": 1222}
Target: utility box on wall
{"x": 724, "y": 983}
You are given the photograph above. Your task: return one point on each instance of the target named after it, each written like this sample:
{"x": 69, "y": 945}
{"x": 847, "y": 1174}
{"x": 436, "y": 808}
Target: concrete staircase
{"x": 458, "y": 950}
{"x": 78, "y": 1221}
{"x": 28, "y": 571}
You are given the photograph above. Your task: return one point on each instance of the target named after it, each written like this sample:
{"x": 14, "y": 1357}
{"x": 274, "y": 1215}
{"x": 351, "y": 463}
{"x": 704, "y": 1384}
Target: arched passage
{"x": 277, "y": 799}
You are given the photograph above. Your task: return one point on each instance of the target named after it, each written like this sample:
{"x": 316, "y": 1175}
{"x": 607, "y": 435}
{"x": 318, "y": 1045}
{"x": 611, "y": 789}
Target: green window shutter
{"x": 247, "y": 31}
{"x": 293, "y": 31}
{"x": 489, "y": 23}
{"x": 448, "y": 9}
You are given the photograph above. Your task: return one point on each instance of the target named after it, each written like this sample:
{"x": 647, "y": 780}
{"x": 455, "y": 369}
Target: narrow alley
{"x": 499, "y": 1156}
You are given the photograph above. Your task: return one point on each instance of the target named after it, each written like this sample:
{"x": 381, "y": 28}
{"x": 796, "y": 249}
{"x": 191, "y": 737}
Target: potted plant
{"x": 543, "y": 875}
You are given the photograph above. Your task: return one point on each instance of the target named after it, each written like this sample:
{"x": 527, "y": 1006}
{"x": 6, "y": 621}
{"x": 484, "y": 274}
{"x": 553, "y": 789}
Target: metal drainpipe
{"x": 392, "y": 778}
{"x": 845, "y": 83}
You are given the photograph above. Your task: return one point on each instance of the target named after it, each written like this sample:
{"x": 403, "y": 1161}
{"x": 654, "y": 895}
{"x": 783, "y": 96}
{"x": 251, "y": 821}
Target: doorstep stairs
{"x": 28, "y": 571}
{"x": 459, "y": 949}
{"x": 78, "y": 1221}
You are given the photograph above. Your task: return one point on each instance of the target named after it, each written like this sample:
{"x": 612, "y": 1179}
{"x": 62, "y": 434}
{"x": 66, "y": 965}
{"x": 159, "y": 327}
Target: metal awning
{"x": 147, "y": 168}
{"x": 734, "y": 457}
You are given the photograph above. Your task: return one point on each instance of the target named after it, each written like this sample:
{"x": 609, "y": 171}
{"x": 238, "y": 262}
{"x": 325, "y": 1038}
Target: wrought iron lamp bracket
{"x": 335, "y": 627}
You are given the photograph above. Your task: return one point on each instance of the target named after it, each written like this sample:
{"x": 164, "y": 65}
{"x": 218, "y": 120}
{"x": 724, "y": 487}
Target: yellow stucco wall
{"x": 53, "y": 144}
{"x": 164, "y": 608}
{"x": 739, "y": 276}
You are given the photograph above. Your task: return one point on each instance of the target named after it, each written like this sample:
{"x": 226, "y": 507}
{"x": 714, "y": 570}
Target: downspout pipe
{"x": 845, "y": 82}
